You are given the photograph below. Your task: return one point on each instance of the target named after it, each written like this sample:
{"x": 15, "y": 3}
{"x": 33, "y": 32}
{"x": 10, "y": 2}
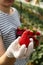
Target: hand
{"x": 29, "y": 50}
{"x": 15, "y": 50}
{"x": 25, "y": 39}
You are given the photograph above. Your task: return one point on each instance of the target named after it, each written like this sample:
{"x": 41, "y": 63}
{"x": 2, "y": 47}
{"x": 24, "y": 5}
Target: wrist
{"x": 5, "y": 60}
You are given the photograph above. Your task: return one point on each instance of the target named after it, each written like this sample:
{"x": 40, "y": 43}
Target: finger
{"x": 31, "y": 39}
{"x": 31, "y": 45}
{"x": 30, "y": 49}
{"x": 25, "y": 51}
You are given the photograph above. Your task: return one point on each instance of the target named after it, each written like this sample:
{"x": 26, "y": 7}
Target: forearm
{"x": 4, "y": 60}
{"x": 2, "y": 48}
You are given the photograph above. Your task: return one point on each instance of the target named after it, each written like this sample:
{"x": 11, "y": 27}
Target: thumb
{"x": 31, "y": 44}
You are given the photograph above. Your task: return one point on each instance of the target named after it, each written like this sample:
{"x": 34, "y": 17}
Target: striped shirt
{"x": 8, "y": 26}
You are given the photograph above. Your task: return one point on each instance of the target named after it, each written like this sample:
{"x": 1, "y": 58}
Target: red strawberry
{"x": 30, "y": 33}
{"x": 25, "y": 38}
{"x": 19, "y": 31}
{"x": 36, "y": 42}
{"x": 38, "y": 33}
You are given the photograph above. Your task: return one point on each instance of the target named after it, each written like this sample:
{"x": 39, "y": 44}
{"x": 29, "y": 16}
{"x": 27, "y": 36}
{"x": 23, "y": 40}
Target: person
{"x": 13, "y": 52}
{"x": 16, "y": 51}
{"x": 9, "y": 22}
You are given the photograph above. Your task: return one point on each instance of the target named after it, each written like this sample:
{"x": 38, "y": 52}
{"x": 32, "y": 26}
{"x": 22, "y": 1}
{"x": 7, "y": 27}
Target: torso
{"x": 8, "y": 26}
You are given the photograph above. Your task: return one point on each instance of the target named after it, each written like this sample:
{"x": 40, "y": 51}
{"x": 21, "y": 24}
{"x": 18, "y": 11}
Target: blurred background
{"x": 31, "y": 12}
{"x": 31, "y": 17}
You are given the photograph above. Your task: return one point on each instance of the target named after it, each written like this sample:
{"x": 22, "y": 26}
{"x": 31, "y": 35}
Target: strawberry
{"x": 19, "y": 32}
{"x": 30, "y": 34}
{"x": 38, "y": 33}
{"x": 36, "y": 42}
{"x": 25, "y": 38}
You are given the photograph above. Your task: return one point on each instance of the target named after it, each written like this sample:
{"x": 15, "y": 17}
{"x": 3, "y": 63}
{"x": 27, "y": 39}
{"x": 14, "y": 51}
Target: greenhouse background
{"x": 31, "y": 16}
